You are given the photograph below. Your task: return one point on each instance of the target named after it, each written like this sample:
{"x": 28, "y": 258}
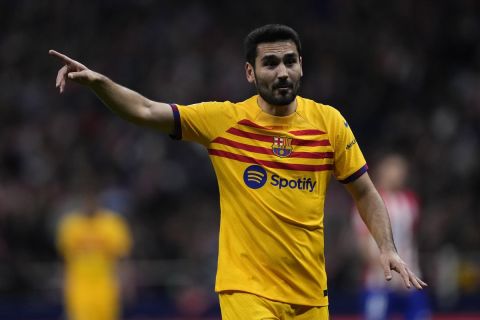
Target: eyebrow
{"x": 290, "y": 55}
{"x": 274, "y": 56}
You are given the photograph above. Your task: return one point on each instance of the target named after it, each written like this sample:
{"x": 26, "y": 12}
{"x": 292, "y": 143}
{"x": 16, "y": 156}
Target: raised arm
{"x": 374, "y": 213}
{"x": 127, "y": 103}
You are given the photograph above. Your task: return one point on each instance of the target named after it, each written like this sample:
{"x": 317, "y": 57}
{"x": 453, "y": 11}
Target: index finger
{"x": 61, "y": 56}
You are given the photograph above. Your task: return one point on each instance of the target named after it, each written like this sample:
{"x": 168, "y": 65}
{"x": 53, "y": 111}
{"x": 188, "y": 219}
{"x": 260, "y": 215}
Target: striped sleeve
{"x": 349, "y": 162}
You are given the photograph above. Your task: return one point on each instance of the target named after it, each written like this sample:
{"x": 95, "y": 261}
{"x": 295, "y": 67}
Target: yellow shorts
{"x": 246, "y": 306}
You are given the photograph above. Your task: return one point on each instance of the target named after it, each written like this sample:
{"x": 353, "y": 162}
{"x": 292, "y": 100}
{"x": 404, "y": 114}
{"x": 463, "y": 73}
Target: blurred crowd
{"x": 405, "y": 73}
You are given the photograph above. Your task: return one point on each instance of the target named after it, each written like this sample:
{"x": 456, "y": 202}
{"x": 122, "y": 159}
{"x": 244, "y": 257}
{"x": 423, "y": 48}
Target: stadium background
{"x": 405, "y": 73}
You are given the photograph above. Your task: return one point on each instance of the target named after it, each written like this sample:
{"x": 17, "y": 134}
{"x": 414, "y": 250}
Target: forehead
{"x": 278, "y": 48}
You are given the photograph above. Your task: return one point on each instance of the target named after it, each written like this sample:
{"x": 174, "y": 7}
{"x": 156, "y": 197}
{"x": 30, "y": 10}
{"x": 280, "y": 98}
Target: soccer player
{"x": 273, "y": 155}
{"x": 92, "y": 240}
{"x": 380, "y": 299}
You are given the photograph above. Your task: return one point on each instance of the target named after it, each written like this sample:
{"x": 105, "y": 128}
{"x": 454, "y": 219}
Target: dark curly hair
{"x": 269, "y": 33}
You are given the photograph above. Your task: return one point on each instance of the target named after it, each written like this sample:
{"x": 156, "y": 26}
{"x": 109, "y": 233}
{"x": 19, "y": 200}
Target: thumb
{"x": 387, "y": 271}
{"x": 74, "y": 75}
{"x": 82, "y": 77}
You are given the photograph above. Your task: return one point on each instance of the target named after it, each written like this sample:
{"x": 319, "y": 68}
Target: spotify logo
{"x": 255, "y": 177}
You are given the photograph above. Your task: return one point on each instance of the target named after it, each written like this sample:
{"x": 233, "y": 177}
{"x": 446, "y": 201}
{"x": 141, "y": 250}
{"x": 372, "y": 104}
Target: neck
{"x": 279, "y": 111}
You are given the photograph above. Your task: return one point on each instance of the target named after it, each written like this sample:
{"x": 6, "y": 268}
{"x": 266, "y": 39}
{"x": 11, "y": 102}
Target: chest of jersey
{"x": 282, "y": 167}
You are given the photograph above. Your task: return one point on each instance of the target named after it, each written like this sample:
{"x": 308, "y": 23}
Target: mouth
{"x": 283, "y": 87}
{"x": 282, "y": 90}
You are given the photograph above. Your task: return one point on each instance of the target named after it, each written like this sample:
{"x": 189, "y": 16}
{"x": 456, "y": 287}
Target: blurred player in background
{"x": 273, "y": 154}
{"x": 380, "y": 299}
{"x": 92, "y": 240}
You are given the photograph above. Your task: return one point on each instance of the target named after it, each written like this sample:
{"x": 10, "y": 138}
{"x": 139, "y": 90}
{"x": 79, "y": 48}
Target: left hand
{"x": 391, "y": 261}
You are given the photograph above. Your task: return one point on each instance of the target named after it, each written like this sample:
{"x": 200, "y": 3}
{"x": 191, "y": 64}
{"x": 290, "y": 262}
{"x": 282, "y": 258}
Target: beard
{"x": 280, "y": 93}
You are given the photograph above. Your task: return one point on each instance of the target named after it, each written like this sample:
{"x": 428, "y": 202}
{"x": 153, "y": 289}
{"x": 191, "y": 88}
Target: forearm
{"x": 126, "y": 103}
{"x": 374, "y": 213}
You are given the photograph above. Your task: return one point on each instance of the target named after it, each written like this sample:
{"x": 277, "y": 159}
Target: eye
{"x": 270, "y": 64}
{"x": 290, "y": 61}
{"x": 271, "y": 61}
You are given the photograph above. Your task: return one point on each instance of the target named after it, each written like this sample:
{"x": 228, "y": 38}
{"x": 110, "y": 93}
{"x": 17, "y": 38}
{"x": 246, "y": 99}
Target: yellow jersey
{"x": 272, "y": 175}
{"x": 91, "y": 247}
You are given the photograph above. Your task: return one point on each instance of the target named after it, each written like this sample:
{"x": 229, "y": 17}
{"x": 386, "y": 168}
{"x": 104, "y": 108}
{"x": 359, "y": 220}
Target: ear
{"x": 250, "y": 72}
{"x": 301, "y": 66}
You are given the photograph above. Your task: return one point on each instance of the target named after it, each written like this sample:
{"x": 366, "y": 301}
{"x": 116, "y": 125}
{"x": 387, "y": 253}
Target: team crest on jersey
{"x": 282, "y": 146}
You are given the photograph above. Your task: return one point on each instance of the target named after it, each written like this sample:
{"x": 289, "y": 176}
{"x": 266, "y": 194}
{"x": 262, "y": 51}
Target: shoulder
{"x": 316, "y": 111}
{"x": 235, "y": 110}
{"x": 312, "y": 106}
{"x": 226, "y": 109}
{"x": 245, "y": 106}
{"x": 70, "y": 220}
{"x": 208, "y": 105}
{"x": 111, "y": 216}
{"x": 69, "y": 217}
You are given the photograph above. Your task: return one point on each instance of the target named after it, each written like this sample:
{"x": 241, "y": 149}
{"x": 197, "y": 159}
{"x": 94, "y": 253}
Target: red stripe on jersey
{"x": 306, "y": 132}
{"x": 253, "y": 136}
{"x": 270, "y": 164}
{"x": 249, "y": 123}
{"x": 262, "y": 150}
{"x": 312, "y": 155}
{"x": 311, "y": 143}
{"x": 242, "y": 146}
{"x": 265, "y": 138}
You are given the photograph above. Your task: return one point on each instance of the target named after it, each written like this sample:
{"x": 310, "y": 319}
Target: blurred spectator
{"x": 382, "y": 299}
{"x": 92, "y": 240}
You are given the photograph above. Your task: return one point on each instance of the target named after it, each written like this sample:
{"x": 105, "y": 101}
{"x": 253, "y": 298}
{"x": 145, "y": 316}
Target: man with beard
{"x": 273, "y": 155}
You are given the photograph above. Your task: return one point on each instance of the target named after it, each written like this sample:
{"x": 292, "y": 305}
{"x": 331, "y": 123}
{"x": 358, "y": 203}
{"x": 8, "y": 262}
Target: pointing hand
{"x": 72, "y": 70}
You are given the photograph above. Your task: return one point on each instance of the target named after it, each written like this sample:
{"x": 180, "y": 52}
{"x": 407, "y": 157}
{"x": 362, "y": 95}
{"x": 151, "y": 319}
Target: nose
{"x": 282, "y": 71}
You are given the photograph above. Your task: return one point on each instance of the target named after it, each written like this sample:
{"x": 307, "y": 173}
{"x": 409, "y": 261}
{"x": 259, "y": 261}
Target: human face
{"x": 277, "y": 72}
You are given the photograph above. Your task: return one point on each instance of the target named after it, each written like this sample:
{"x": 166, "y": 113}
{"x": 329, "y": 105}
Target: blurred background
{"x": 406, "y": 74}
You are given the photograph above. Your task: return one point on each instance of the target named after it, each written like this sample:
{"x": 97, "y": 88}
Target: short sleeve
{"x": 349, "y": 161}
{"x": 201, "y": 122}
